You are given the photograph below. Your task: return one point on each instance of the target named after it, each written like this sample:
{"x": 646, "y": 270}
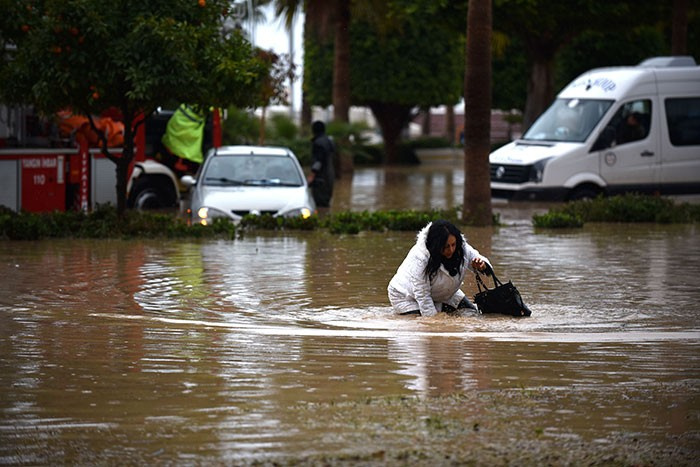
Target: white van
{"x": 611, "y": 130}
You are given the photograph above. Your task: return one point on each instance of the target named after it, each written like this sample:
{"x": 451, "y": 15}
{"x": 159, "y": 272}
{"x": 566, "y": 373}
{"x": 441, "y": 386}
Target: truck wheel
{"x": 584, "y": 192}
{"x": 149, "y": 194}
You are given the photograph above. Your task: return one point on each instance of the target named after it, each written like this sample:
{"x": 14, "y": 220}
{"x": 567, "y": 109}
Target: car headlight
{"x": 206, "y": 215}
{"x": 537, "y": 171}
{"x": 301, "y": 212}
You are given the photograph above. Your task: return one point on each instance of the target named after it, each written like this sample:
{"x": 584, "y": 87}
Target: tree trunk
{"x": 124, "y": 162}
{"x": 122, "y": 175}
{"x": 679, "y": 27}
{"x": 477, "y": 115}
{"x": 341, "y": 63}
{"x": 261, "y": 133}
{"x": 306, "y": 114}
{"x": 311, "y": 33}
{"x": 341, "y": 79}
{"x": 450, "y": 124}
{"x": 392, "y": 119}
{"x": 425, "y": 127}
{"x": 540, "y": 89}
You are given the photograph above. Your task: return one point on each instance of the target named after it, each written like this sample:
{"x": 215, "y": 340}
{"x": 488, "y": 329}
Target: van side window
{"x": 683, "y": 120}
{"x": 632, "y": 121}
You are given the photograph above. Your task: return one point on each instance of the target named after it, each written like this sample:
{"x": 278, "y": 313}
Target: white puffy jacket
{"x": 410, "y": 289}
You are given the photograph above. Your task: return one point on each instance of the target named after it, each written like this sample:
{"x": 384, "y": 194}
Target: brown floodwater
{"x": 283, "y": 346}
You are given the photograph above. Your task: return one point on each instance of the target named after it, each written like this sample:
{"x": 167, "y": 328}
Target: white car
{"x": 239, "y": 180}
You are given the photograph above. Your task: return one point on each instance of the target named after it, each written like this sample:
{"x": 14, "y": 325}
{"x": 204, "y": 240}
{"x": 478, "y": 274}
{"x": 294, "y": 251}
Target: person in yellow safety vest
{"x": 183, "y": 139}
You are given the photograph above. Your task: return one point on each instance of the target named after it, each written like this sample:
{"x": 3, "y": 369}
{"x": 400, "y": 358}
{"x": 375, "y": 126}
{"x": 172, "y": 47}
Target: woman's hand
{"x": 478, "y": 264}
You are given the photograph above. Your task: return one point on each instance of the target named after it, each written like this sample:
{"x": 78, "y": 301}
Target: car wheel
{"x": 149, "y": 194}
{"x": 584, "y": 192}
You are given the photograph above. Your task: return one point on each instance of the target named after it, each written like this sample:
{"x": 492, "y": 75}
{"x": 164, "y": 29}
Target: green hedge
{"x": 105, "y": 223}
{"x": 623, "y": 208}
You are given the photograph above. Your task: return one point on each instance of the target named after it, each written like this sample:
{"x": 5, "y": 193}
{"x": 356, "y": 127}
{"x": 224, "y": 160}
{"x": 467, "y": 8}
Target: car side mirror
{"x": 188, "y": 181}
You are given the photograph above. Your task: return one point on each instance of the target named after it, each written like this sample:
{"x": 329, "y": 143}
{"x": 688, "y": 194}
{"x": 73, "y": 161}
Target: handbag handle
{"x": 480, "y": 283}
{"x": 488, "y": 271}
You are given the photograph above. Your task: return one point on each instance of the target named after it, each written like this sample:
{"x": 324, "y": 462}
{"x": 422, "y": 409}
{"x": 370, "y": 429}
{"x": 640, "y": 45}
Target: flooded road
{"x": 283, "y": 348}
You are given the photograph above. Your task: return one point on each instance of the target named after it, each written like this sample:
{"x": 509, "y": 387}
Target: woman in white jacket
{"x": 430, "y": 276}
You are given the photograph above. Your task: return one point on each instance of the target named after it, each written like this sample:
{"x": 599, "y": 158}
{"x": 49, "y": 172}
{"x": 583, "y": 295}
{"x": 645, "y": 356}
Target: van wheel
{"x": 149, "y": 194}
{"x": 584, "y": 192}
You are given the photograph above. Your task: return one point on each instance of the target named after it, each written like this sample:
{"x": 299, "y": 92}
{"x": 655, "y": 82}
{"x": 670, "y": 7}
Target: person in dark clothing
{"x": 632, "y": 130}
{"x": 322, "y": 173}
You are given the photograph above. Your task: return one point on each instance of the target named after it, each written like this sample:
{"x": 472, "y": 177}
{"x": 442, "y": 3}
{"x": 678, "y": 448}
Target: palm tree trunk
{"x": 341, "y": 80}
{"x": 341, "y": 62}
{"x": 477, "y": 115}
{"x": 679, "y": 28}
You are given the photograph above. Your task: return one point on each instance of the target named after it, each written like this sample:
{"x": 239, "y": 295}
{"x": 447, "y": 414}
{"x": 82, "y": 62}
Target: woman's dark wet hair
{"x": 435, "y": 241}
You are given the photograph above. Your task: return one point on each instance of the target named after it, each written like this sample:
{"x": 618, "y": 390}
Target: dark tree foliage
{"x": 128, "y": 55}
{"x": 414, "y": 58}
{"x": 559, "y": 40}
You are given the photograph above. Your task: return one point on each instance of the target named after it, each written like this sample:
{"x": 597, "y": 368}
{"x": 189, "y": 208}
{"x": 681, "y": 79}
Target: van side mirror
{"x": 606, "y": 138}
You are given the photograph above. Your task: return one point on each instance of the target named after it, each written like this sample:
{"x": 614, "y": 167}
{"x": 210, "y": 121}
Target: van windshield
{"x": 570, "y": 120}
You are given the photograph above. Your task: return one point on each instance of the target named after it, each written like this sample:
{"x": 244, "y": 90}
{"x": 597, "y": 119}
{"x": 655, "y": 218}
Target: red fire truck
{"x": 43, "y": 170}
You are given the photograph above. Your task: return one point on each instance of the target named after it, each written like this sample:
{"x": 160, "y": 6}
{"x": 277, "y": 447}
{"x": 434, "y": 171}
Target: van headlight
{"x": 537, "y": 171}
{"x": 206, "y": 216}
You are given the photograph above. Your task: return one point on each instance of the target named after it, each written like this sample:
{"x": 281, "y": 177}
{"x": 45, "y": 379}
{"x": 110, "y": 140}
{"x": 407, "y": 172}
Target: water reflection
{"x": 221, "y": 351}
{"x": 421, "y": 188}
{"x": 226, "y": 279}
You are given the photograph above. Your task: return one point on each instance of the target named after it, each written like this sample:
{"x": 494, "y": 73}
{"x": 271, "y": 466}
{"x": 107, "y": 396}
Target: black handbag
{"x": 502, "y": 298}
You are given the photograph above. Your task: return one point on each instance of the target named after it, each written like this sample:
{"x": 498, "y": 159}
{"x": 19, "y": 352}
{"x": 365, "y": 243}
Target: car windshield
{"x": 570, "y": 120}
{"x": 252, "y": 170}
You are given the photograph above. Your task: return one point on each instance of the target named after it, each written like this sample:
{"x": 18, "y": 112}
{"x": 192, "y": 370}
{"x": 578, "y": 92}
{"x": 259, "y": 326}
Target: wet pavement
{"x": 283, "y": 348}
